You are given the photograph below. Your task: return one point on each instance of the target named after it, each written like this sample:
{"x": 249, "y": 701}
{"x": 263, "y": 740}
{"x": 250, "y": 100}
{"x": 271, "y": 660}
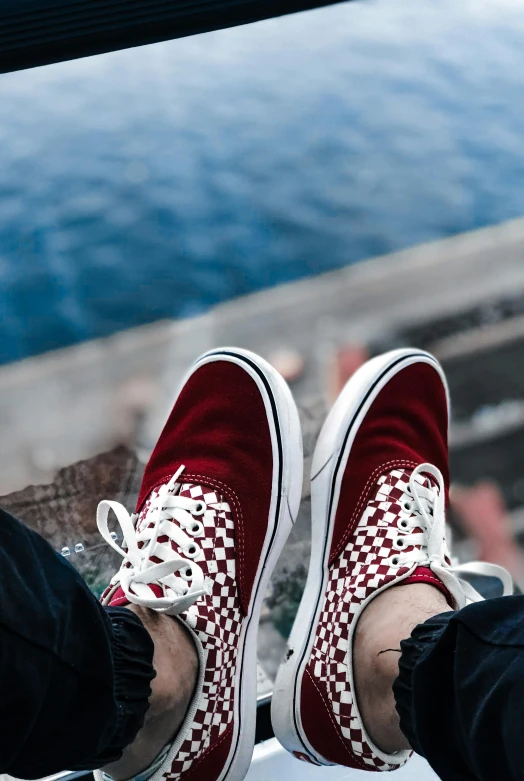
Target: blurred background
{"x": 144, "y": 194}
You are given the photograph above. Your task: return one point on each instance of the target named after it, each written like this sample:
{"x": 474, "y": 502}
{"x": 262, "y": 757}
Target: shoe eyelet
{"x": 403, "y": 524}
{"x": 186, "y": 574}
{"x": 408, "y": 490}
{"x": 196, "y": 529}
{"x": 200, "y": 508}
{"x": 407, "y": 506}
{"x": 395, "y": 560}
{"x": 399, "y": 543}
{"x": 192, "y": 550}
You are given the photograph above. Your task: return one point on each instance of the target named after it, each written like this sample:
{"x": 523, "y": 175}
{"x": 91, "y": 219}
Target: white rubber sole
{"x": 329, "y": 461}
{"x": 286, "y": 438}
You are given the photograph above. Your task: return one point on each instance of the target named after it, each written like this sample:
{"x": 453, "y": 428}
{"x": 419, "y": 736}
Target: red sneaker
{"x": 218, "y": 499}
{"x": 379, "y": 487}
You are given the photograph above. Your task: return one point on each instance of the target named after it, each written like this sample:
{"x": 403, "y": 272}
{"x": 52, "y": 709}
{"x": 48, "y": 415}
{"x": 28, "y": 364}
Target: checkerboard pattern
{"x": 363, "y": 567}
{"x": 216, "y": 620}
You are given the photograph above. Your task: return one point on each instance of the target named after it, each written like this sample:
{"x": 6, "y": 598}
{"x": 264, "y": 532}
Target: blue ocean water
{"x": 158, "y": 181}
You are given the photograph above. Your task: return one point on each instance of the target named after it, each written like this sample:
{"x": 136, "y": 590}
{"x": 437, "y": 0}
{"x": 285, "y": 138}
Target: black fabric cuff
{"x": 423, "y": 639}
{"x": 132, "y": 650}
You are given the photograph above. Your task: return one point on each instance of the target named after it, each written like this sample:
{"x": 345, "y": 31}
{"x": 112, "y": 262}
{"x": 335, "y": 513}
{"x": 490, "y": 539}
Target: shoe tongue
{"x": 119, "y": 599}
{"x": 426, "y": 575}
{"x": 427, "y": 480}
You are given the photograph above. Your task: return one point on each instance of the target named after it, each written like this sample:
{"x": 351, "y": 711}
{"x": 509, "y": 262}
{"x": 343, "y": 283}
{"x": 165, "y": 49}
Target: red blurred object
{"x": 483, "y": 515}
{"x": 288, "y": 362}
{"x": 346, "y": 361}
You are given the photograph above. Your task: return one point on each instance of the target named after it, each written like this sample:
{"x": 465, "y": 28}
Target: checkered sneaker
{"x": 218, "y": 499}
{"x": 202, "y": 579}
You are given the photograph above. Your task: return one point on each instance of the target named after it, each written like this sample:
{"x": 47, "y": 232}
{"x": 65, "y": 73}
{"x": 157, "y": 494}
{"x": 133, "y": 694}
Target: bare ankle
{"x": 387, "y": 620}
{"x": 176, "y": 664}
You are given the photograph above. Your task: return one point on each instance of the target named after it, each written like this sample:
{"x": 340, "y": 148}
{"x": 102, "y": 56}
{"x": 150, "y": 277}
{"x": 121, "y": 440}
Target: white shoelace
{"x": 424, "y": 507}
{"x": 171, "y": 516}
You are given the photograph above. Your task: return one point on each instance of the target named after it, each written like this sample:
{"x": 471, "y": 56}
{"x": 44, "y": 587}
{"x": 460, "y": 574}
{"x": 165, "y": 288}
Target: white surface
{"x": 272, "y": 763}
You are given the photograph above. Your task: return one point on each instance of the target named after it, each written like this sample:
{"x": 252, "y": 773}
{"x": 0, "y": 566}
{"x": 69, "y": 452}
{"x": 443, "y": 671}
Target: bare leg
{"x": 176, "y": 663}
{"x": 387, "y": 620}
